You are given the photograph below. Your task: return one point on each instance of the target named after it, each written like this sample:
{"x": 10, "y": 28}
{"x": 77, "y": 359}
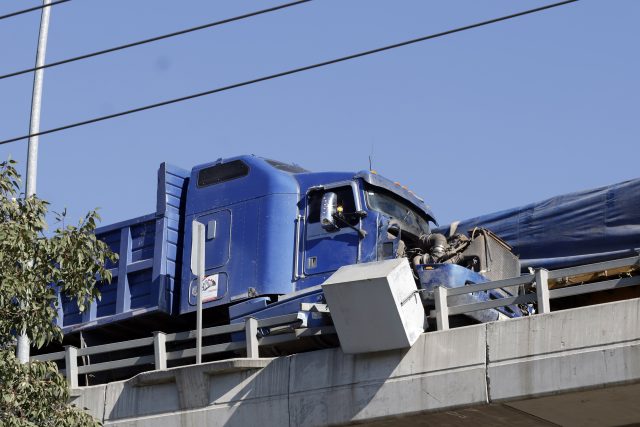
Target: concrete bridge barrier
{"x": 572, "y": 367}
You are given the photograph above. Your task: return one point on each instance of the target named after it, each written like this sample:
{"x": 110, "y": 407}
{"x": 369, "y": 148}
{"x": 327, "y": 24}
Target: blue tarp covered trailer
{"x": 576, "y": 228}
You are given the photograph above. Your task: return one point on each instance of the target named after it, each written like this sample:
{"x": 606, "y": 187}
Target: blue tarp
{"x": 576, "y": 228}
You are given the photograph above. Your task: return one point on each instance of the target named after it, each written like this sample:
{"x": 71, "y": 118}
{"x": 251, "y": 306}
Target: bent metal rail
{"x": 539, "y": 281}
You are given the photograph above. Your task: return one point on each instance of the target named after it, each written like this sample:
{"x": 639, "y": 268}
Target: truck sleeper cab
{"x": 264, "y": 235}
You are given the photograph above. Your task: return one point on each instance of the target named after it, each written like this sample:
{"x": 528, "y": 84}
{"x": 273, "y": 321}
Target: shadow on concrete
{"x": 324, "y": 387}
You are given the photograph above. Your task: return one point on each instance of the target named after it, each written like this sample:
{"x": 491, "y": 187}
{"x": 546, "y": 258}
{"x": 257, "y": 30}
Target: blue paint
{"x": 397, "y": 189}
{"x": 454, "y": 276}
{"x": 256, "y": 215}
{"x": 241, "y": 311}
{"x": 583, "y": 227}
{"x": 145, "y": 276}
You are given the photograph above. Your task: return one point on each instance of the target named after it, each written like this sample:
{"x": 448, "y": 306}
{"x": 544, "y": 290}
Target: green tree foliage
{"x": 35, "y": 394}
{"x": 33, "y": 263}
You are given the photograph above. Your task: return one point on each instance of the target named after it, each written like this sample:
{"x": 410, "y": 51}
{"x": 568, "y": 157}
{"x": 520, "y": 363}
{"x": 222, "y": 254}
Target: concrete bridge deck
{"x": 578, "y": 367}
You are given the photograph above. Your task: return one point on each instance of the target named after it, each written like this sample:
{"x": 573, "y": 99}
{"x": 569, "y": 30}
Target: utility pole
{"x": 34, "y": 127}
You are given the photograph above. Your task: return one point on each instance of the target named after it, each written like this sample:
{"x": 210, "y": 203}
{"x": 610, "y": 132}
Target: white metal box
{"x": 374, "y": 306}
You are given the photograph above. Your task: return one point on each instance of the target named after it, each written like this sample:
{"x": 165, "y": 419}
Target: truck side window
{"x": 221, "y": 173}
{"x": 345, "y": 199}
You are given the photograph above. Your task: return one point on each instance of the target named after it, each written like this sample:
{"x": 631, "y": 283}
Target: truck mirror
{"x": 328, "y": 208}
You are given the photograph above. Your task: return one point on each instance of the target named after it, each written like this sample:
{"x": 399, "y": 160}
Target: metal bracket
{"x": 417, "y": 291}
{"x": 311, "y": 307}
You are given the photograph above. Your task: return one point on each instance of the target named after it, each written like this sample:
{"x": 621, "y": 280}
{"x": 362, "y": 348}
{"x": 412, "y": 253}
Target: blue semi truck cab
{"x": 271, "y": 229}
{"x": 264, "y": 234}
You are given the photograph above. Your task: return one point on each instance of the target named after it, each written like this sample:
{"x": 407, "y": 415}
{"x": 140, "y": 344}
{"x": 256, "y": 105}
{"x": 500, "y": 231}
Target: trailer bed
{"x": 146, "y": 276}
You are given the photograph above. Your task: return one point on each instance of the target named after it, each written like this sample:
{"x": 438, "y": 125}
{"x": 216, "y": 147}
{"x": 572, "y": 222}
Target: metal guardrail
{"x": 539, "y": 280}
{"x": 161, "y": 356}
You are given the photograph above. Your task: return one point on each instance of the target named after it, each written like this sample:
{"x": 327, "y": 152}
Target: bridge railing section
{"x": 565, "y": 282}
{"x": 160, "y": 356}
{"x": 561, "y": 286}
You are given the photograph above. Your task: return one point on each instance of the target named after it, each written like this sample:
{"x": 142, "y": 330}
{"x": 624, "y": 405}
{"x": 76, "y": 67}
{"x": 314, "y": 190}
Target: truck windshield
{"x": 407, "y": 216}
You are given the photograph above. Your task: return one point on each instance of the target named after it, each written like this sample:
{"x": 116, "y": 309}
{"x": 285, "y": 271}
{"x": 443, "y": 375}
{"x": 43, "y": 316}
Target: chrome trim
{"x": 296, "y": 256}
{"x": 353, "y": 184}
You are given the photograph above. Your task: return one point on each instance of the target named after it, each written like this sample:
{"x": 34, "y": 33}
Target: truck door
{"x": 326, "y": 251}
{"x": 216, "y": 249}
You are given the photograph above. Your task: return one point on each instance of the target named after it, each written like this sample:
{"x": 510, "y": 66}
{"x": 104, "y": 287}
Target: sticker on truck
{"x": 209, "y": 288}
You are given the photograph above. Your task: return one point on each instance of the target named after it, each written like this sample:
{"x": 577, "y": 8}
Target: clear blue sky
{"x": 475, "y": 122}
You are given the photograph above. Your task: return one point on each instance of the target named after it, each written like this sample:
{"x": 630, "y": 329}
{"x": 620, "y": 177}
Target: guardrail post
{"x": 71, "y": 365}
{"x": 160, "y": 350}
{"x": 442, "y": 309}
{"x": 251, "y": 337}
{"x": 542, "y": 290}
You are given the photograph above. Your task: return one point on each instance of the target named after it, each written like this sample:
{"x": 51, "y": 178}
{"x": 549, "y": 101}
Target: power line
{"x": 154, "y": 39}
{"x": 31, "y": 9}
{"x": 289, "y": 72}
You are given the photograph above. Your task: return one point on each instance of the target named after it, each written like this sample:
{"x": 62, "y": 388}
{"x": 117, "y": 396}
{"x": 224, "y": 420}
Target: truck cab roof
{"x": 273, "y": 176}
